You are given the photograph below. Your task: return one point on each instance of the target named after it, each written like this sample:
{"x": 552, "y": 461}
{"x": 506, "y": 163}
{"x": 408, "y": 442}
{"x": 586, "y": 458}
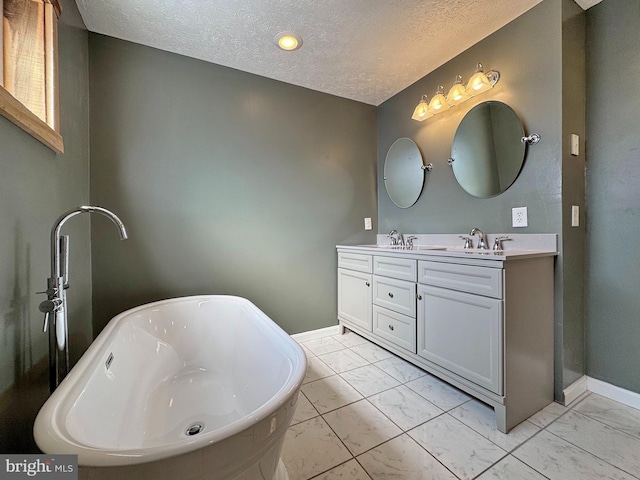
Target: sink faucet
{"x": 396, "y": 238}
{"x": 55, "y": 306}
{"x": 481, "y": 241}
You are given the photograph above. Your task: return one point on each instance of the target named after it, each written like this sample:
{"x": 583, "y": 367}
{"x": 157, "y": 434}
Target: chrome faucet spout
{"x": 482, "y": 243}
{"x": 62, "y": 219}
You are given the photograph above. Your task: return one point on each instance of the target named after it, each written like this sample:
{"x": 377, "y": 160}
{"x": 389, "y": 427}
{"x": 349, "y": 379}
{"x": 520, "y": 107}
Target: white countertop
{"x": 444, "y": 251}
{"x": 518, "y": 246}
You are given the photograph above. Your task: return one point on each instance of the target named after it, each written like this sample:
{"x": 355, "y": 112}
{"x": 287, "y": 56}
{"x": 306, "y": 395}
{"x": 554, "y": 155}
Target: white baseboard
{"x": 626, "y": 397}
{"x": 573, "y": 391}
{"x": 315, "y": 334}
{"x": 585, "y": 383}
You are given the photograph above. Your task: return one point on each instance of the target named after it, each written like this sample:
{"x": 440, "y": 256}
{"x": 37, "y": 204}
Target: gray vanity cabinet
{"x": 482, "y": 322}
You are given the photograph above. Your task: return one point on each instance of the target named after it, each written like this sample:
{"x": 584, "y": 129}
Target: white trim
{"x": 573, "y": 391}
{"x": 315, "y": 334}
{"x": 626, "y": 397}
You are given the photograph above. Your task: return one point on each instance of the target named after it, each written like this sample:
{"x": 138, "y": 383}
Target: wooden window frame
{"x": 18, "y": 113}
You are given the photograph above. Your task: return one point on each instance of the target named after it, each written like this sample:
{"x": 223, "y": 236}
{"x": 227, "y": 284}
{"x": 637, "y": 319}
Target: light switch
{"x": 575, "y": 144}
{"x": 367, "y": 223}
{"x": 575, "y": 216}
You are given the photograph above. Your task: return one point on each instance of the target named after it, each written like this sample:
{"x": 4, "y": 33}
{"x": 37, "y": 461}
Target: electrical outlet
{"x": 519, "y": 217}
{"x": 367, "y": 223}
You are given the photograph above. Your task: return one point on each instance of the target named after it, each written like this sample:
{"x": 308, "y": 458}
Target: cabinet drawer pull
{"x": 419, "y": 297}
{"x": 390, "y": 294}
{"x": 367, "y": 284}
{"x": 391, "y": 327}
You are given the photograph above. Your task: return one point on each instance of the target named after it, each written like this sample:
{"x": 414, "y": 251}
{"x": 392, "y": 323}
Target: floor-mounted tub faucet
{"x": 482, "y": 243}
{"x": 55, "y": 306}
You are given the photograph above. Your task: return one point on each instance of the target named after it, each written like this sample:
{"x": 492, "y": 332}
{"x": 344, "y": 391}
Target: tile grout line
{"x": 403, "y": 432}
{"x": 592, "y": 454}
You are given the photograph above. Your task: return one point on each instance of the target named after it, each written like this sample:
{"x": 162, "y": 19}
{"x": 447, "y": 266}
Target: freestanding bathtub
{"x": 191, "y": 388}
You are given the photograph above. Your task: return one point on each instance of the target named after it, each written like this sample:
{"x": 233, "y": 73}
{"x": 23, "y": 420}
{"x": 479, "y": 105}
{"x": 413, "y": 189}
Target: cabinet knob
{"x": 367, "y": 284}
{"x": 391, "y": 327}
{"x": 419, "y": 297}
{"x": 390, "y": 295}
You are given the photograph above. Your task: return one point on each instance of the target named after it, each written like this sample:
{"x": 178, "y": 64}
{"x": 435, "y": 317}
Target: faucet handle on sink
{"x": 467, "y": 241}
{"x": 497, "y": 243}
{"x": 409, "y": 241}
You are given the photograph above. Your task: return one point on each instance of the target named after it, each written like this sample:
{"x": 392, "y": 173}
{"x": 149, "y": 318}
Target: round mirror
{"x": 403, "y": 172}
{"x": 487, "y": 151}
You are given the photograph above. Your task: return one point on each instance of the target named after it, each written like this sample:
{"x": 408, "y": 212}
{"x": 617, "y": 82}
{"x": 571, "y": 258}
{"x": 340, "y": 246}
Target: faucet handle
{"x": 409, "y": 241}
{"x": 47, "y": 307}
{"x": 497, "y": 245}
{"x": 467, "y": 241}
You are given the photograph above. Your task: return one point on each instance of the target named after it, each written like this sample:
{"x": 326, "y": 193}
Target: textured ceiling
{"x": 365, "y": 50}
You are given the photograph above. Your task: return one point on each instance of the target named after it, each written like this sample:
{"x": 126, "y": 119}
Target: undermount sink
{"x": 473, "y": 250}
{"x": 401, "y": 247}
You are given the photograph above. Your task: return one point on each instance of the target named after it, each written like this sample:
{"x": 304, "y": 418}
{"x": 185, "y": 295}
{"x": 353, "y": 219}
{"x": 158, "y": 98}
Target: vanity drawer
{"x": 400, "y": 268}
{"x": 396, "y": 295}
{"x": 355, "y": 261}
{"x": 395, "y": 328}
{"x": 464, "y": 278}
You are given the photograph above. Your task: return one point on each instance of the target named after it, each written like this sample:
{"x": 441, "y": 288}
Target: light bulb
{"x": 288, "y": 41}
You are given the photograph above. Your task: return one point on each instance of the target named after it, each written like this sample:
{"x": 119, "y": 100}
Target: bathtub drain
{"x": 194, "y": 429}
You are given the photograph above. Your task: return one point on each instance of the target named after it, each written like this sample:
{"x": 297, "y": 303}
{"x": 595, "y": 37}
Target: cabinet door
{"x": 463, "y": 333}
{"x": 354, "y": 298}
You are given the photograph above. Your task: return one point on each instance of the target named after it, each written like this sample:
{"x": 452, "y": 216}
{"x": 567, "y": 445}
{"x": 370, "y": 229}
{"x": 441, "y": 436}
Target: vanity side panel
{"x": 528, "y": 337}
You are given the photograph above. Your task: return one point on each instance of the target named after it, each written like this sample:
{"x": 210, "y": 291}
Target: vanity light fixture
{"x": 422, "y": 110}
{"x": 481, "y": 81}
{"x": 288, "y": 41}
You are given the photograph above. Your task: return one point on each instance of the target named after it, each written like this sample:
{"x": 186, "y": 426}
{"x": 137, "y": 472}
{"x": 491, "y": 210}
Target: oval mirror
{"x": 404, "y": 172}
{"x": 487, "y": 149}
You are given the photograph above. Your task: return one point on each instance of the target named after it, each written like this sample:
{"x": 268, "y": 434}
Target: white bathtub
{"x": 156, "y": 370}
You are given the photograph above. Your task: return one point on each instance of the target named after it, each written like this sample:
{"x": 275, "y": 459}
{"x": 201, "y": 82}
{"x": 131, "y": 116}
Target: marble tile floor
{"x": 365, "y": 414}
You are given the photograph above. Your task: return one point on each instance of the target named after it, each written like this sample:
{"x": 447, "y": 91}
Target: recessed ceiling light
{"x": 288, "y": 41}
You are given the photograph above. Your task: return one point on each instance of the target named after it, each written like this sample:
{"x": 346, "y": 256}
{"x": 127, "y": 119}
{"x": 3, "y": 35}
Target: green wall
{"x": 36, "y": 186}
{"x": 613, "y": 193}
{"x": 534, "y": 72}
{"x": 229, "y": 183}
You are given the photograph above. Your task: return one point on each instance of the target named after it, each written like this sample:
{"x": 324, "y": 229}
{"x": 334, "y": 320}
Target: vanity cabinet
{"x": 462, "y": 333}
{"x": 482, "y": 323}
{"x": 355, "y": 305}
{"x": 394, "y": 300}
{"x": 460, "y": 321}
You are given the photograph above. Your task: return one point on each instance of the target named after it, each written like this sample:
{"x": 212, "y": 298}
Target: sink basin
{"x": 474, "y": 250}
{"x": 400, "y": 247}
